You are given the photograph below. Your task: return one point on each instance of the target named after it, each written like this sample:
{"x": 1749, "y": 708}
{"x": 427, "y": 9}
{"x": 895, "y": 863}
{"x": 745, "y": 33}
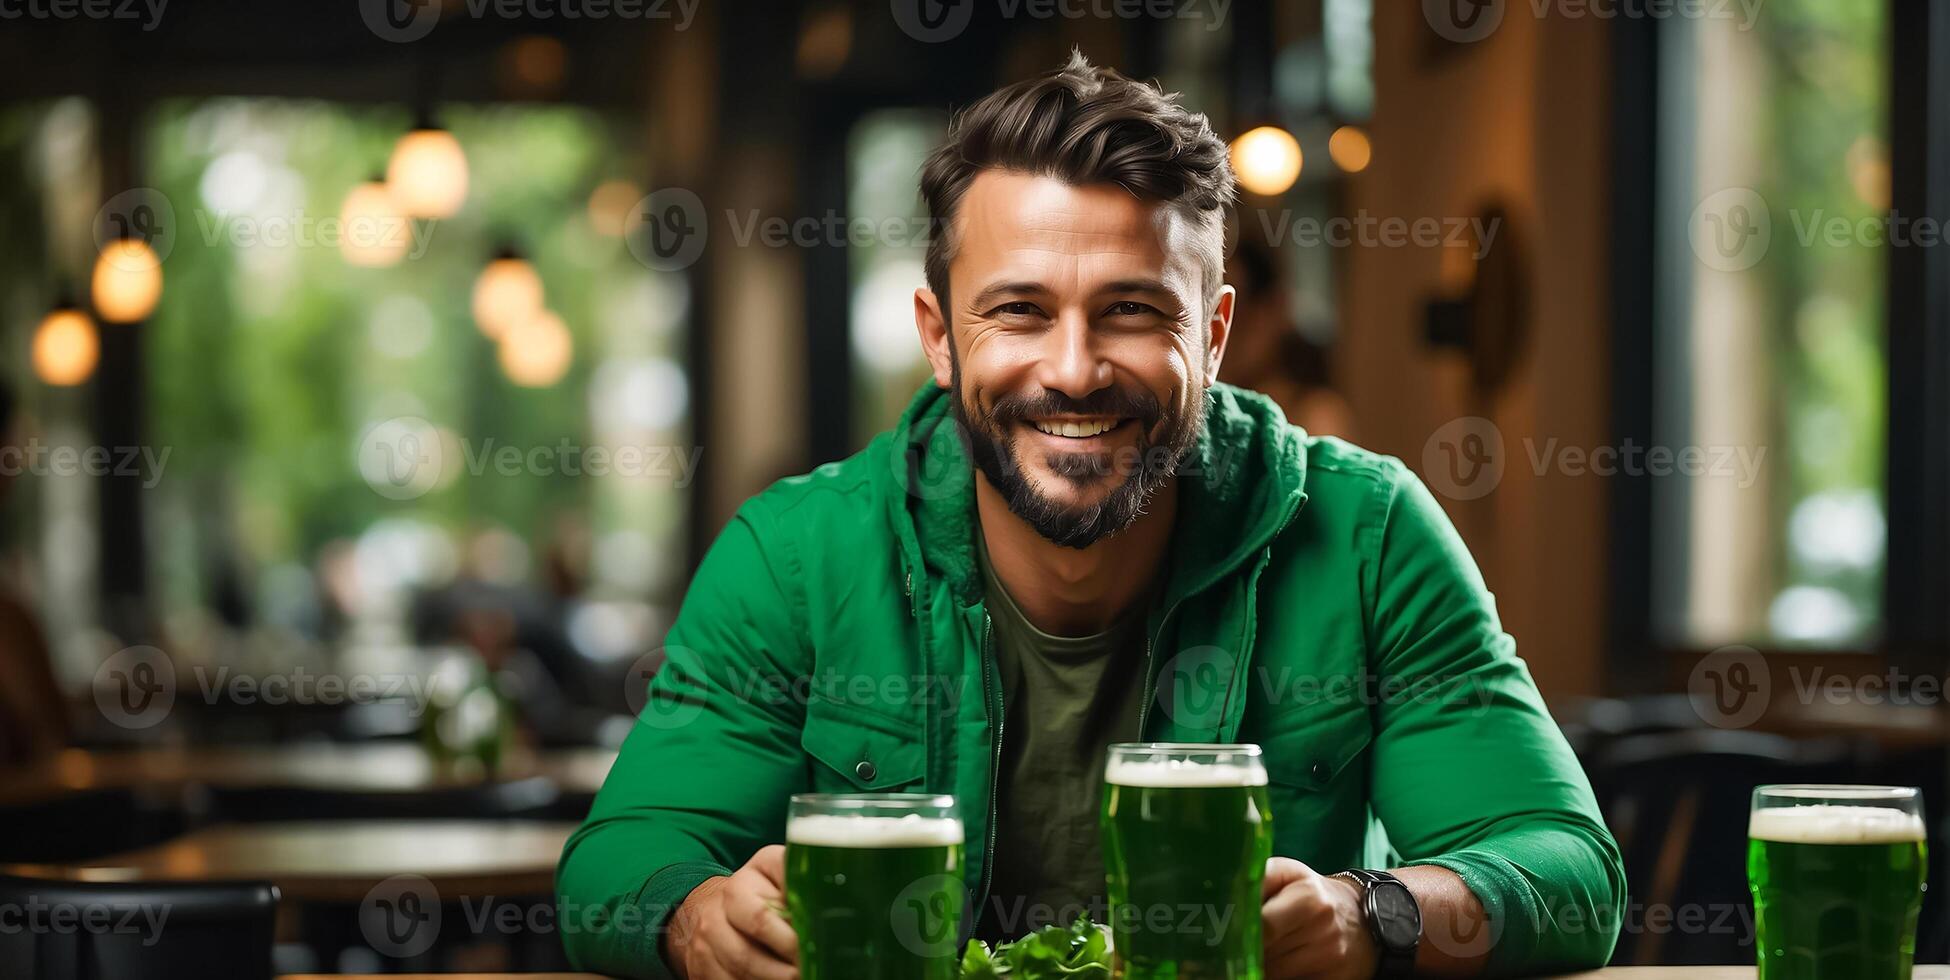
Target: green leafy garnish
{"x": 1082, "y": 950}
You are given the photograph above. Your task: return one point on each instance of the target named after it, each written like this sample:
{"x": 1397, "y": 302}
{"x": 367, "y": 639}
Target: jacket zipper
{"x": 995, "y": 762}
{"x": 1150, "y": 642}
{"x": 1150, "y": 677}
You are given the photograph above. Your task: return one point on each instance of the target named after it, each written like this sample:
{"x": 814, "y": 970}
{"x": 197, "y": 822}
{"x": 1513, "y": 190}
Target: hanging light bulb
{"x": 536, "y": 352}
{"x": 127, "y": 282}
{"x": 65, "y": 347}
{"x": 1350, "y": 149}
{"x": 373, "y": 230}
{"x": 1266, "y": 160}
{"x": 428, "y": 173}
{"x": 508, "y": 292}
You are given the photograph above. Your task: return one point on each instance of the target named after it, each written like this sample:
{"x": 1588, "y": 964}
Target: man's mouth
{"x": 1086, "y": 428}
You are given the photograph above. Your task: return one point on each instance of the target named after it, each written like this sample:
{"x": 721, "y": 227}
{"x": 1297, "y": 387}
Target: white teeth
{"x": 1075, "y": 430}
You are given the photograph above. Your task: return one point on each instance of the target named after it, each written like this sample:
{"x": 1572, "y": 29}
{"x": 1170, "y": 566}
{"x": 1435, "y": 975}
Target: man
{"x": 1080, "y": 530}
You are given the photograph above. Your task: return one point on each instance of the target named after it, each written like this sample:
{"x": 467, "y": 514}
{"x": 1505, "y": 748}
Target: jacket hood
{"x": 1238, "y": 487}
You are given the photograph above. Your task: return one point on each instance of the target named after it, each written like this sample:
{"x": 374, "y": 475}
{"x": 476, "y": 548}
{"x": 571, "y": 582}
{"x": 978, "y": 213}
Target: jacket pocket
{"x": 1317, "y": 775}
{"x": 855, "y": 750}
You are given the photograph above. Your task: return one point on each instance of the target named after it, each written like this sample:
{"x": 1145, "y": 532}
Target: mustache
{"x": 1107, "y": 401}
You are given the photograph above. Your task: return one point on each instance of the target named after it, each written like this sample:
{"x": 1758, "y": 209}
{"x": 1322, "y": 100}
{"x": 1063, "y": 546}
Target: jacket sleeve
{"x": 703, "y": 779}
{"x": 1469, "y": 771}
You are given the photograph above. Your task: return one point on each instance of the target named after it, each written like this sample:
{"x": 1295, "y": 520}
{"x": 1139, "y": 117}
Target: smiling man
{"x": 1076, "y": 537}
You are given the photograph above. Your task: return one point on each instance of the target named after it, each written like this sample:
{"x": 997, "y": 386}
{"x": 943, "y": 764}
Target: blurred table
{"x": 341, "y": 861}
{"x": 366, "y": 767}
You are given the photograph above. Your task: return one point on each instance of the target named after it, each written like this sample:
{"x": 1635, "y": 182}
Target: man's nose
{"x": 1070, "y": 362}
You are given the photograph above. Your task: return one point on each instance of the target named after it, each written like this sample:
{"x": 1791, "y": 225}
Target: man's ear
{"x": 932, "y": 324}
{"x": 1219, "y": 330}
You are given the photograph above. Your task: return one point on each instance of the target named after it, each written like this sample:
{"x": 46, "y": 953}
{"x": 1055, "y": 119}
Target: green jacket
{"x": 1317, "y": 602}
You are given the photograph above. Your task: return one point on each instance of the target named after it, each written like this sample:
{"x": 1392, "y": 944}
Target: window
{"x": 1771, "y": 260}
{"x": 271, "y": 360}
{"x": 884, "y": 154}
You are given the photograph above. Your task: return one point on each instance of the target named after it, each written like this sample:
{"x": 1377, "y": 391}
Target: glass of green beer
{"x": 1837, "y": 877}
{"x": 1186, "y": 835}
{"x": 873, "y": 885}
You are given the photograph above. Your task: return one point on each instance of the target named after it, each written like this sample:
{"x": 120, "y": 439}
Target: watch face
{"x": 1397, "y": 915}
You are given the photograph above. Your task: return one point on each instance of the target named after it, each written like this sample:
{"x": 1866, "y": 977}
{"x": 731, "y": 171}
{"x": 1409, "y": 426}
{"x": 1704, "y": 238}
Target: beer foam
{"x": 1182, "y": 774}
{"x": 1830, "y": 824}
{"x": 850, "y": 830}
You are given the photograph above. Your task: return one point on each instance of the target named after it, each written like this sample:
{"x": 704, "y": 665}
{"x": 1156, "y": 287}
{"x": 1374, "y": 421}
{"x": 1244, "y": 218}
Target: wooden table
{"x": 1713, "y": 973}
{"x": 374, "y": 767}
{"x": 1614, "y": 973}
{"x": 342, "y": 861}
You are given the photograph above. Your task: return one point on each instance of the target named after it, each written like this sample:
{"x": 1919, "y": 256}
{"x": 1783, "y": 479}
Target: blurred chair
{"x": 532, "y": 798}
{"x": 139, "y": 931}
{"x": 85, "y": 825}
{"x": 1677, "y": 802}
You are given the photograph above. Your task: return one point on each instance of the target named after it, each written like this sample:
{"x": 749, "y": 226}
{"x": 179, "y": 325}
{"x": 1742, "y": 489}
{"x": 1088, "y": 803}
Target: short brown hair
{"x": 1084, "y": 125}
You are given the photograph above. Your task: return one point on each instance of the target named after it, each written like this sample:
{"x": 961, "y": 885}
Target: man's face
{"x": 1078, "y": 345}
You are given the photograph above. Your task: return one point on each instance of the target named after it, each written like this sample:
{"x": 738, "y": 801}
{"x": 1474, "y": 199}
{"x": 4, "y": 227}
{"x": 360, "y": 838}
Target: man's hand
{"x": 734, "y": 928}
{"x": 1313, "y": 925}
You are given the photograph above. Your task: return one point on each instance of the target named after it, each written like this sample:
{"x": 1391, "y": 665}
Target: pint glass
{"x": 1837, "y": 877}
{"x": 1186, "y": 835}
{"x": 873, "y": 885}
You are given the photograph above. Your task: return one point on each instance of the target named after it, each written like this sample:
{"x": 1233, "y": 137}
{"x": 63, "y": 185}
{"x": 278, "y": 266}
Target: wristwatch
{"x": 1394, "y": 920}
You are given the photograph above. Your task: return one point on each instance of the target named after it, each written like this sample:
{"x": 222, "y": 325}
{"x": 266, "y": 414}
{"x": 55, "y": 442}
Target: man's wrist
{"x": 1390, "y": 917}
{"x": 681, "y": 928}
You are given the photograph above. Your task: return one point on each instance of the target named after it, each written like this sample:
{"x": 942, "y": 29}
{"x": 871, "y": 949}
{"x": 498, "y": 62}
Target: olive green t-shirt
{"x": 1065, "y": 700}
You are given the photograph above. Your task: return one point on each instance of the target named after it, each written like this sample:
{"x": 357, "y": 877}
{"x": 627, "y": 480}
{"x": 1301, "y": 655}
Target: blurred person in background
{"x": 1269, "y": 355}
{"x": 33, "y": 711}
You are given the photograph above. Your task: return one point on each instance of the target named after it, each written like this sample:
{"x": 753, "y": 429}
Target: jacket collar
{"x": 1238, "y": 488}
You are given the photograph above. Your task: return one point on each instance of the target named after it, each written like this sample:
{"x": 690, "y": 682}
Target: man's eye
{"x": 1017, "y": 309}
{"x": 1129, "y": 308}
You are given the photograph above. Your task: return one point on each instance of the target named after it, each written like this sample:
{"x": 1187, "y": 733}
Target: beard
{"x": 1165, "y": 438}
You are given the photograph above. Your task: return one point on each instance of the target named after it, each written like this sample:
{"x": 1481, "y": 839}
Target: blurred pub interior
{"x": 1673, "y": 369}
